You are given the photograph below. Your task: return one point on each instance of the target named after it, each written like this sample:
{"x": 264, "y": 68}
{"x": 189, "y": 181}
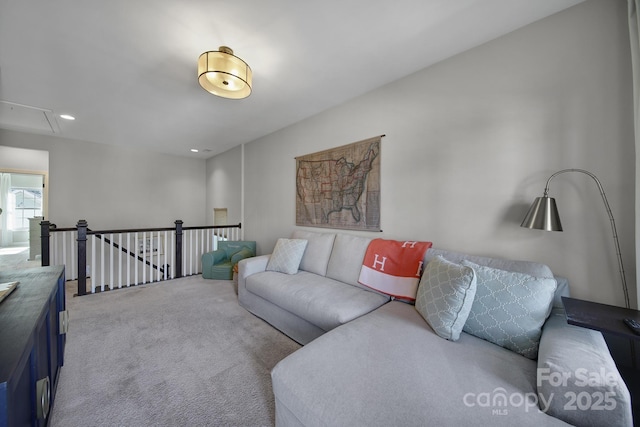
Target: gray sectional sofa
{"x": 369, "y": 360}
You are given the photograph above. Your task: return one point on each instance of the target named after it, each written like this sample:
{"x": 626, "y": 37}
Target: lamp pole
{"x": 613, "y": 224}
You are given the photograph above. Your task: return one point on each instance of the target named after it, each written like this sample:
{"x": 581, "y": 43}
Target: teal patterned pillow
{"x": 287, "y": 255}
{"x": 510, "y": 308}
{"x": 445, "y": 296}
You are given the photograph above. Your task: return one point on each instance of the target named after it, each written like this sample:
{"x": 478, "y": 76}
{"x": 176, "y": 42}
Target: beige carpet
{"x": 16, "y": 257}
{"x": 174, "y": 353}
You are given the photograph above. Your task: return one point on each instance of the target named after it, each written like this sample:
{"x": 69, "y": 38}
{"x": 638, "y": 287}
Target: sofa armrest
{"x": 577, "y": 379}
{"x": 249, "y": 266}
{"x": 212, "y": 258}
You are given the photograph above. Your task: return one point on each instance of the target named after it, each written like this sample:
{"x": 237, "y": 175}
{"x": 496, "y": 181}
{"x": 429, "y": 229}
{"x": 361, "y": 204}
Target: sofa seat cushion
{"x": 324, "y": 302}
{"x": 388, "y": 368}
{"x": 222, "y": 271}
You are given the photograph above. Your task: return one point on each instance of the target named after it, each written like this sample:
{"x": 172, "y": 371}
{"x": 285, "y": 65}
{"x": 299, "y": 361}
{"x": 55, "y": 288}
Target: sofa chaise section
{"x": 389, "y": 368}
{"x": 324, "y": 294}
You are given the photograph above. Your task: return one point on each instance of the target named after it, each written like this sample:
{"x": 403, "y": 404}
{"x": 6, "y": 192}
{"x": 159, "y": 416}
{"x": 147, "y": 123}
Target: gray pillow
{"x": 510, "y": 308}
{"x": 286, "y": 255}
{"x": 445, "y": 296}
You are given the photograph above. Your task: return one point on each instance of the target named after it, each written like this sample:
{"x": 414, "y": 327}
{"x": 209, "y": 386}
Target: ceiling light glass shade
{"x": 543, "y": 215}
{"x": 224, "y": 74}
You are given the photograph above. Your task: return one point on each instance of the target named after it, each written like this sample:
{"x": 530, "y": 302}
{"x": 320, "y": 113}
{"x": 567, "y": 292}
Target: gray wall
{"x": 23, "y": 159}
{"x": 224, "y": 178}
{"x": 116, "y": 187}
{"x": 471, "y": 142}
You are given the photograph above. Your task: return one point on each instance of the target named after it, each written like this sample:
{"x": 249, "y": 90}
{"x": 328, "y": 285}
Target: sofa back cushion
{"x": 316, "y": 255}
{"x": 346, "y": 258}
{"x": 527, "y": 267}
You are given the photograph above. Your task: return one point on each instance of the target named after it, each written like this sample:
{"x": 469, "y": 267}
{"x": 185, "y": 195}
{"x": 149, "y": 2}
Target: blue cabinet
{"x": 32, "y": 339}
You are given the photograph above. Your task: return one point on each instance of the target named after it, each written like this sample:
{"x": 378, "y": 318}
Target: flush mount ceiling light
{"x": 224, "y": 74}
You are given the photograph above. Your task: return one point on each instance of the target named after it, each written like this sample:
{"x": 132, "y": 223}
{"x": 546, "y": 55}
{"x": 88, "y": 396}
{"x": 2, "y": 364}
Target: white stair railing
{"x": 122, "y": 258}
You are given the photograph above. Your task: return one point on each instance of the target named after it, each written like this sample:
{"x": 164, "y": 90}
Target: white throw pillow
{"x": 287, "y": 255}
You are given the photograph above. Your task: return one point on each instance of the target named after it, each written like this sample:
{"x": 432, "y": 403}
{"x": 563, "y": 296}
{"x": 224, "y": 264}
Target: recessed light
{"x": 194, "y": 150}
{"x": 67, "y": 117}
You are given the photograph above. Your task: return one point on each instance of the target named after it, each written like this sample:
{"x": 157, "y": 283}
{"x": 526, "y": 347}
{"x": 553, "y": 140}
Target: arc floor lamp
{"x": 543, "y": 215}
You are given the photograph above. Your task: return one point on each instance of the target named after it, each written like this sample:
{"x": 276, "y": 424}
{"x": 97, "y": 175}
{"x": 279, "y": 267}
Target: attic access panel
{"x": 25, "y": 117}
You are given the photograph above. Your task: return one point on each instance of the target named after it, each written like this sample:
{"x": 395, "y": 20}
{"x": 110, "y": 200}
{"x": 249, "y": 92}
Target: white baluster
{"x": 137, "y": 251}
{"x": 102, "y": 266}
{"x": 120, "y": 261}
{"x": 173, "y": 254}
{"x": 184, "y": 252}
{"x": 194, "y": 262}
{"x": 151, "y": 257}
{"x": 52, "y": 248}
{"x": 153, "y": 270}
{"x": 144, "y": 257}
{"x": 128, "y": 275}
{"x": 92, "y": 267}
{"x": 156, "y": 262}
{"x": 156, "y": 269}
{"x": 150, "y": 252}
{"x": 74, "y": 255}
{"x": 194, "y": 248}
{"x": 164, "y": 265}
{"x": 111, "y": 278}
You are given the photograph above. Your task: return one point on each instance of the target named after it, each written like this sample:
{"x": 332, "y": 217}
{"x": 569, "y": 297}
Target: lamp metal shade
{"x": 224, "y": 74}
{"x": 543, "y": 215}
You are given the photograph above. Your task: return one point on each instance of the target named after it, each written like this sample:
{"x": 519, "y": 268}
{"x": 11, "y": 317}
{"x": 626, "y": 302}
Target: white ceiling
{"x": 126, "y": 69}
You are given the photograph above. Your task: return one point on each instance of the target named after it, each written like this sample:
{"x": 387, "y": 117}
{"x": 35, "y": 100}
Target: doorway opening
{"x": 23, "y": 204}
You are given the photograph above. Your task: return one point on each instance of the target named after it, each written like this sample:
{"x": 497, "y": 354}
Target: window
{"x": 26, "y": 203}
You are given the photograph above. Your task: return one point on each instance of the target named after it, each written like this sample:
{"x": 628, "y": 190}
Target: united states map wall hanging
{"x": 340, "y": 187}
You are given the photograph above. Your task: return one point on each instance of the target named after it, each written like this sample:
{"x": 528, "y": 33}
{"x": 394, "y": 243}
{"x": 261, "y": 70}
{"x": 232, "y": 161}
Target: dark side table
{"x": 600, "y": 317}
